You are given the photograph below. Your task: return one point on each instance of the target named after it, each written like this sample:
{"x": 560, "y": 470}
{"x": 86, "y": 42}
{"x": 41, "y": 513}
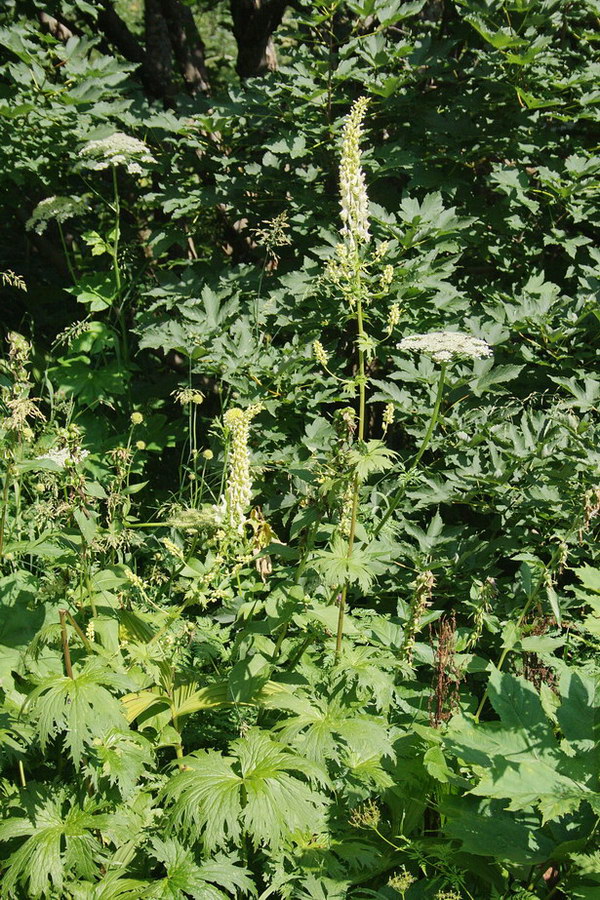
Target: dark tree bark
{"x": 187, "y": 45}
{"x": 117, "y": 33}
{"x": 254, "y": 22}
{"x": 158, "y": 62}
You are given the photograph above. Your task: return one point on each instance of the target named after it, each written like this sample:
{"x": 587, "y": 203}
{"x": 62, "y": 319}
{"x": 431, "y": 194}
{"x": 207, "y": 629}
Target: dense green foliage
{"x": 287, "y": 610}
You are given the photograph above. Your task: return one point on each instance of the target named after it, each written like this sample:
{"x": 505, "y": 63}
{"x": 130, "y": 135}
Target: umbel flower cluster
{"x": 354, "y": 200}
{"x": 118, "y": 149}
{"x": 442, "y": 346}
{"x": 57, "y": 209}
{"x": 64, "y": 456}
{"x": 239, "y": 486}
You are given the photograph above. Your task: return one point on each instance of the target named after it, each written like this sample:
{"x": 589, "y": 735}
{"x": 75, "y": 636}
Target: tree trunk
{"x": 254, "y": 22}
{"x": 158, "y": 61}
{"x": 187, "y": 45}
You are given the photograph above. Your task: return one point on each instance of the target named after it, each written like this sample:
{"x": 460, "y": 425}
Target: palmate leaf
{"x": 337, "y": 568}
{"x": 371, "y": 457}
{"x": 82, "y": 707}
{"x": 251, "y": 790}
{"x": 323, "y": 729}
{"x": 60, "y": 837}
{"x": 121, "y": 757}
{"x": 186, "y": 878}
{"x": 520, "y": 759}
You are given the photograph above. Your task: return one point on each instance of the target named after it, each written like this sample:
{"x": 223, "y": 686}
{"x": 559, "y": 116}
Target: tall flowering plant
{"x": 351, "y": 272}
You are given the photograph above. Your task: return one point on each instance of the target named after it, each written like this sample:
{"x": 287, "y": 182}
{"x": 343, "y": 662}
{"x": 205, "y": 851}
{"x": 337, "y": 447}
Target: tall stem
{"x": 425, "y": 443}
{"x": 67, "y": 254}
{"x": 116, "y": 232}
{"x": 4, "y": 511}
{"x": 65, "y": 642}
{"x": 120, "y": 303}
{"x": 362, "y": 406}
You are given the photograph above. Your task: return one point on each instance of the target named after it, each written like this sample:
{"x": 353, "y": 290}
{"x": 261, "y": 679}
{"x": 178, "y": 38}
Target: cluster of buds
{"x": 21, "y": 406}
{"x": 188, "y": 395}
{"x": 320, "y": 354}
{"x": 401, "y": 881}
{"x": 388, "y": 416}
{"x": 424, "y": 585}
{"x": 386, "y": 277}
{"x": 366, "y": 816}
{"x": 238, "y": 492}
{"x": 483, "y": 592}
{"x": 393, "y": 317}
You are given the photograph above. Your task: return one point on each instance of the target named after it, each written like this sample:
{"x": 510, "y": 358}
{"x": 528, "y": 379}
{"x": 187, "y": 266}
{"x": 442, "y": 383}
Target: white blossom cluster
{"x": 443, "y": 346}
{"x": 354, "y": 200}
{"x": 63, "y": 456}
{"x": 57, "y": 209}
{"x": 118, "y": 149}
{"x": 239, "y": 486}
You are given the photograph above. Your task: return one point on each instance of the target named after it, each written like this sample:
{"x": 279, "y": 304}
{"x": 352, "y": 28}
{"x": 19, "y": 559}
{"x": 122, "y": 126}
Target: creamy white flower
{"x": 443, "y": 346}
{"x": 57, "y": 209}
{"x": 117, "y": 150}
{"x": 354, "y": 200}
{"x": 63, "y": 456}
{"x": 239, "y": 485}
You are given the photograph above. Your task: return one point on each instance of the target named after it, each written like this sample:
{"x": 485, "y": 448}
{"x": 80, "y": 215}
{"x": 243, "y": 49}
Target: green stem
{"x": 425, "y": 443}
{"x": 4, "y": 511}
{"x": 116, "y": 232}
{"x": 67, "y": 254}
{"x": 62, "y": 614}
{"x": 362, "y": 406}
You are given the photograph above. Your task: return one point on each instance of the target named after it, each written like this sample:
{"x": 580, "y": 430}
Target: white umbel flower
{"x": 63, "y": 456}
{"x": 117, "y": 150}
{"x": 57, "y": 209}
{"x": 239, "y": 485}
{"x": 442, "y": 346}
{"x": 354, "y": 200}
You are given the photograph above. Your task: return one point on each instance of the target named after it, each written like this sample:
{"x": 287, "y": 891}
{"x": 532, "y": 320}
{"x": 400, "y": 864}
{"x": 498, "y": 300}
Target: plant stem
{"x": 65, "y": 642}
{"x": 116, "y": 232}
{"x": 425, "y": 443}
{"x": 67, "y": 254}
{"x": 4, "y": 511}
{"x": 362, "y": 405}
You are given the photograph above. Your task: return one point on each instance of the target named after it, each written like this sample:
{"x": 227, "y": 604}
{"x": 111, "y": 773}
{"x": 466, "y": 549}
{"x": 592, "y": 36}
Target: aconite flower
{"x": 354, "y": 200}
{"x": 239, "y": 485}
{"x": 442, "y": 346}
{"x": 118, "y": 149}
{"x": 57, "y": 209}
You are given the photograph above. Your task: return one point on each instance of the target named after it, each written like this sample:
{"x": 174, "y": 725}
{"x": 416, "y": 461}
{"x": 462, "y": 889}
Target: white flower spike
{"x": 354, "y": 200}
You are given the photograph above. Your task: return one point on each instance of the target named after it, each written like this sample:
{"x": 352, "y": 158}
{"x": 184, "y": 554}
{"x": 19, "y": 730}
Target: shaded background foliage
{"x": 483, "y": 177}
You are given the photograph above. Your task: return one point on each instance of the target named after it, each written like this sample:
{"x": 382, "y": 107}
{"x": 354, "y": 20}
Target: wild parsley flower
{"x": 57, "y": 209}
{"x": 118, "y": 149}
{"x": 442, "y": 346}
